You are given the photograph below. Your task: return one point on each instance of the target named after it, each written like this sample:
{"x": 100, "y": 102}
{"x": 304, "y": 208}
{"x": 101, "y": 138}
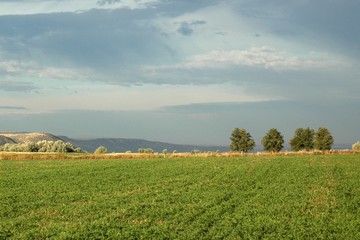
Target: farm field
{"x": 250, "y": 197}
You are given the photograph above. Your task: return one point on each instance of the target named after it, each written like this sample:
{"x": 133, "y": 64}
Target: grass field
{"x": 250, "y": 197}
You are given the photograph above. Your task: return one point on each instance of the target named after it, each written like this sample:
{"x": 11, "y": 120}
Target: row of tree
{"x": 41, "y": 146}
{"x": 304, "y": 139}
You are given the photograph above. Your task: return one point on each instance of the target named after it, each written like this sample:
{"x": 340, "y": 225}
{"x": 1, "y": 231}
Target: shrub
{"x": 41, "y": 146}
{"x": 195, "y": 151}
{"x": 145, "y": 150}
{"x": 356, "y": 146}
{"x": 101, "y": 150}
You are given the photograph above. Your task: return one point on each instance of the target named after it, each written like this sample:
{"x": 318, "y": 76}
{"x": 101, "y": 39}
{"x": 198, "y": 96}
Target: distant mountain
{"x": 25, "y": 137}
{"x": 112, "y": 144}
{"x": 123, "y": 145}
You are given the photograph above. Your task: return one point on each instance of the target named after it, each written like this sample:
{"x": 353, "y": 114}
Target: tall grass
{"x": 60, "y": 156}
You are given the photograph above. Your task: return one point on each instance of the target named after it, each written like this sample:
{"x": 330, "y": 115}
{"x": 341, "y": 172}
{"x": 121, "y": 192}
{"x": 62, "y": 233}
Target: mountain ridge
{"x": 121, "y": 144}
{"x": 25, "y": 137}
{"x": 126, "y": 144}
{"x": 112, "y": 144}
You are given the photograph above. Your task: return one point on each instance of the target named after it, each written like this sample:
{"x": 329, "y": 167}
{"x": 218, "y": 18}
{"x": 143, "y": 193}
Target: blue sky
{"x": 180, "y": 71}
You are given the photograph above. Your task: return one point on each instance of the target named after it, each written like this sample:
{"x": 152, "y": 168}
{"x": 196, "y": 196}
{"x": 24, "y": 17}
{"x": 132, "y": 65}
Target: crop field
{"x": 249, "y": 197}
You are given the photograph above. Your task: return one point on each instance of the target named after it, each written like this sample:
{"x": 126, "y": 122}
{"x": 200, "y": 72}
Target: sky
{"x": 180, "y": 71}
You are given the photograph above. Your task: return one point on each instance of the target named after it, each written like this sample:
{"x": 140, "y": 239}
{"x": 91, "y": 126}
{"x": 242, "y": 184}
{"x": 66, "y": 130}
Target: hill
{"x": 112, "y": 144}
{"x": 4, "y": 140}
{"x": 25, "y": 137}
{"x": 123, "y": 145}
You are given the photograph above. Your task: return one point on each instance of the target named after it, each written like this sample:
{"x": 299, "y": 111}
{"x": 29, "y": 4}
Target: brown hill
{"x": 4, "y": 140}
{"x": 26, "y": 137}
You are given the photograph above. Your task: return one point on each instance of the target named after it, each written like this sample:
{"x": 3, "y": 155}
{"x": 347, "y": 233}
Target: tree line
{"x": 304, "y": 139}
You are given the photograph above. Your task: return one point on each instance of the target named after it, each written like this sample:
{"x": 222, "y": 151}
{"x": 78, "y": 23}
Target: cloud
{"x": 187, "y": 28}
{"x": 97, "y": 39}
{"x": 104, "y": 2}
{"x": 325, "y": 25}
{"x": 17, "y": 86}
{"x": 259, "y": 57}
{"x": 13, "y": 68}
{"x": 32, "y": 7}
{"x": 13, "y": 108}
{"x": 265, "y": 72}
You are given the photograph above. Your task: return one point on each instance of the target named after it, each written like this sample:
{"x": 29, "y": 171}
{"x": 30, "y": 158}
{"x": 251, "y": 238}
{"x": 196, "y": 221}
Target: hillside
{"x": 4, "y": 140}
{"x": 123, "y": 145}
{"x": 112, "y": 144}
{"x": 25, "y": 137}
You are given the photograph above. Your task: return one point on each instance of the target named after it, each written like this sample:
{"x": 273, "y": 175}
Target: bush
{"x": 195, "y": 151}
{"x": 41, "y": 146}
{"x": 101, "y": 150}
{"x": 145, "y": 150}
{"x": 356, "y": 146}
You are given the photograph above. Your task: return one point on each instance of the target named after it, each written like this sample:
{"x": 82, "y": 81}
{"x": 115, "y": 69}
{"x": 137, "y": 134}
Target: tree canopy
{"x": 303, "y": 139}
{"x": 323, "y": 139}
{"x": 241, "y": 141}
{"x": 273, "y": 141}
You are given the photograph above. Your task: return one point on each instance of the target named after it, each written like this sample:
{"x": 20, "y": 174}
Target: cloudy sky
{"x": 180, "y": 71}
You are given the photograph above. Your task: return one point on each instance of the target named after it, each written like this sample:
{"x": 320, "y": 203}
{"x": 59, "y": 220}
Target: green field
{"x": 252, "y": 197}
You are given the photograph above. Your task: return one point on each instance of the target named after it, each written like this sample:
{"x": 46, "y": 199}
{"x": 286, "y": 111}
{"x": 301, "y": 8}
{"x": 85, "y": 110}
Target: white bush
{"x": 356, "y": 146}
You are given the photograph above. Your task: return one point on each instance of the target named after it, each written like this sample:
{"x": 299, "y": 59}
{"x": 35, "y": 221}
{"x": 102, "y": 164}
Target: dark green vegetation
{"x": 323, "y": 139}
{"x": 307, "y": 139}
{"x": 283, "y": 197}
{"x": 273, "y": 141}
{"x": 241, "y": 141}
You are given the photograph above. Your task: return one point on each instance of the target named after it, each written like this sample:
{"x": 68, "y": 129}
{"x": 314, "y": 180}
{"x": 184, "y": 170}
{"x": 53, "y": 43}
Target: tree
{"x": 303, "y": 139}
{"x": 241, "y": 141}
{"x": 273, "y": 141}
{"x": 101, "y": 150}
{"x": 323, "y": 139}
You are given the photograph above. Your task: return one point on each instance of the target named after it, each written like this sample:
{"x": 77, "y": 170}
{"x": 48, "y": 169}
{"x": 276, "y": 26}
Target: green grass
{"x": 283, "y": 197}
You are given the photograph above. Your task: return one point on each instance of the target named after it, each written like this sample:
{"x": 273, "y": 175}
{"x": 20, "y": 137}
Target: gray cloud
{"x": 119, "y": 45}
{"x": 17, "y": 86}
{"x": 334, "y": 22}
{"x": 97, "y": 38}
{"x": 13, "y": 108}
{"x": 173, "y": 8}
{"x": 331, "y": 25}
{"x": 187, "y": 28}
{"x": 105, "y": 2}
